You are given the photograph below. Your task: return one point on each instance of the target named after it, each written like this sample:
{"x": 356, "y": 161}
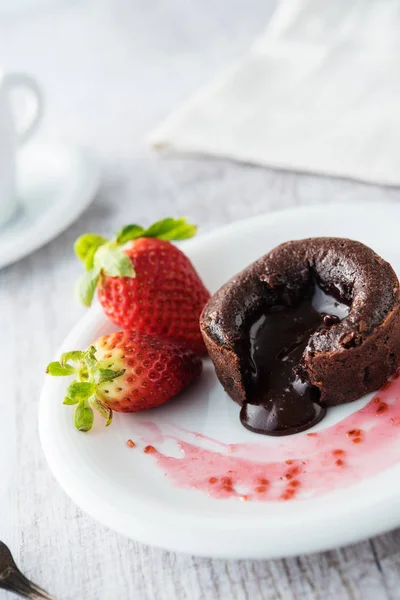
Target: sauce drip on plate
{"x": 282, "y": 402}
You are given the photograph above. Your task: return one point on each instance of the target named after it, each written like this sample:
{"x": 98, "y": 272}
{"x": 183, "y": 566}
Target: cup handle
{"x": 29, "y": 121}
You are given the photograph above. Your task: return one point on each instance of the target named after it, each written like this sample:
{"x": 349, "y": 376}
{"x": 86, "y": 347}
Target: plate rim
{"x": 142, "y": 532}
{"x": 40, "y": 235}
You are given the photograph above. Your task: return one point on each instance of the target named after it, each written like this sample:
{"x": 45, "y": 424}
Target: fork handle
{"x": 19, "y": 584}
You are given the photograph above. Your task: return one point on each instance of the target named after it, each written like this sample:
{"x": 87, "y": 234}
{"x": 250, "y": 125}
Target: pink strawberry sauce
{"x": 304, "y": 466}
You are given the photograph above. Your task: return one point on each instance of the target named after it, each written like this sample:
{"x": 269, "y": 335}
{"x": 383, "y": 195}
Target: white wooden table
{"x": 111, "y": 69}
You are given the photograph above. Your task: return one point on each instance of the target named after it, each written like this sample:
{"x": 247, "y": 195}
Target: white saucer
{"x": 126, "y": 489}
{"x": 56, "y": 184}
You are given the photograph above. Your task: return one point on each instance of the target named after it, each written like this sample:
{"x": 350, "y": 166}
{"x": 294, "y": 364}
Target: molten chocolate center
{"x": 280, "y": 400}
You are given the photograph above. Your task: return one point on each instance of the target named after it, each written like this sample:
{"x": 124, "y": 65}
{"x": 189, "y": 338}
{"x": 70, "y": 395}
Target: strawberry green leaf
{"x": 89, "y": 259}
{"x": 104, "y": 410}
{"x": 171, "y": 229}
{"x": 85, "y": 247}
{"x": 90, "y": 358}
{"x": 74, "y": 355}
{"x": 80, "y": 390}
{"x": 114, "y": 262}
{"x": 70, "y": 401}
{"x": 128, "y": 233}
{"x": 84, "y": 416}
{"x": 58, "y": 370}
{"x": 103, "y": 375}
{"x": 86, "y": 286}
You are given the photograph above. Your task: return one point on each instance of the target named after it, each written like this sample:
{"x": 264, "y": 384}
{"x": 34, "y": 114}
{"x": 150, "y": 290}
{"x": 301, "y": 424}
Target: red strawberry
{"x": 126, "y": 372}
{"x": 144, "y": 282}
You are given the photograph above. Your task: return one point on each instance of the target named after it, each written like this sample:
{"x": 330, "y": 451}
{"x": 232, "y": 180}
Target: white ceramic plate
{"x": 56, "y": 183}
{"x": 125, "y": 488}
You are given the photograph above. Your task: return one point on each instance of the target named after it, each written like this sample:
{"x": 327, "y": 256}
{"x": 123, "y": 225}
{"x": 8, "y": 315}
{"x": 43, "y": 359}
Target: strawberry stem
{"x": 82, "y": 392}
{"x": 100, "y": 255}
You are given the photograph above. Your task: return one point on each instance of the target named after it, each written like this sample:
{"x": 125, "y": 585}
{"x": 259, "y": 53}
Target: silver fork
{"x": 11, "y": 578}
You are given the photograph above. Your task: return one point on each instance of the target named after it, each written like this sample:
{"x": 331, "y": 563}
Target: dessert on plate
{"x": 314, "y": 323}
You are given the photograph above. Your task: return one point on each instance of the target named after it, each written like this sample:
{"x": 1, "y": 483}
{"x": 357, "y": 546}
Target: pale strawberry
{"x": 144, "y": 282}
{"x": 125, "y": 372}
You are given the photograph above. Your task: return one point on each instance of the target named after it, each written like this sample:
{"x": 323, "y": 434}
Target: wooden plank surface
{"x": 111, "y": 70}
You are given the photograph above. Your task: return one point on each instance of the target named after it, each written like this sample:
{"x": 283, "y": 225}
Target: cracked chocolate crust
{"x": 346, "y": 360}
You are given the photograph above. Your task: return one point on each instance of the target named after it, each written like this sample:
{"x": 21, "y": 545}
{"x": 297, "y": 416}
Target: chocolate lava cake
{"x": 314, "y": 323}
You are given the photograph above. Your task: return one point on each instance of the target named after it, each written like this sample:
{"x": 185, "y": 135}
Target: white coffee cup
{"x": 15, "y": 129}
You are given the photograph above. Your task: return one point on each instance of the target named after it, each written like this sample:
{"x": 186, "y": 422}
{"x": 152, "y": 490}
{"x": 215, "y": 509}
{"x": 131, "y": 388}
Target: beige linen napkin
{"x": 318, "y": 92}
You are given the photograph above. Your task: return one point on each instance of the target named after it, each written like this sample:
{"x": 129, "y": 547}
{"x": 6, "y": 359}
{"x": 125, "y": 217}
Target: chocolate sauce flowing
{"x": 281, "y": 401}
